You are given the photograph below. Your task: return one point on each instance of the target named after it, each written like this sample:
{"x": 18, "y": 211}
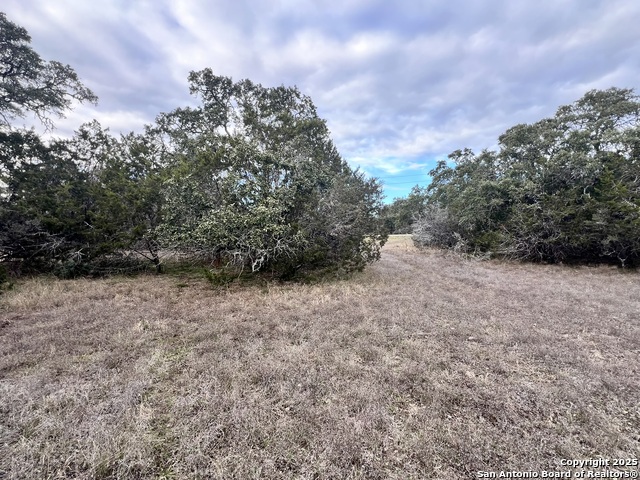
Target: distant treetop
{"x": 30, "y": 84}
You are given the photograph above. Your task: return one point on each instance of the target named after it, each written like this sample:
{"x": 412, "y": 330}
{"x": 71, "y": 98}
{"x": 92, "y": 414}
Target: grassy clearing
{"x": 424, "y": 366}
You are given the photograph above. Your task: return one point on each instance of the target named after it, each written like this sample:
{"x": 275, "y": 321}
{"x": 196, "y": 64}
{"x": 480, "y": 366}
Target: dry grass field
{"x": 424, "y": 366}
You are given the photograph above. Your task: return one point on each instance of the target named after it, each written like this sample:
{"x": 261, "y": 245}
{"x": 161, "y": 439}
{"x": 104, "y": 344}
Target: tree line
{"x": 563, "y": 189}
{"x": 248, "y": 179}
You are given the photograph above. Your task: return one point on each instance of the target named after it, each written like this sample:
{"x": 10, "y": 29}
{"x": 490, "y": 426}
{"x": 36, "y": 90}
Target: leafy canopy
{"x": 255, "y": 180}
{"x": 249, "y": 179}
{"x": 30, "y": 84}
{"x": 566, "y": 188}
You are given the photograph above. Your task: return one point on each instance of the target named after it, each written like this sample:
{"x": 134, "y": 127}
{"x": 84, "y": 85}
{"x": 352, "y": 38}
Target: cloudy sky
{"x": 401, "y": 84}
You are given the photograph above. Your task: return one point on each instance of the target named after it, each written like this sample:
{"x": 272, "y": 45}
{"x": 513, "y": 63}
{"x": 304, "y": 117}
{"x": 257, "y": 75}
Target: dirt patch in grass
{"x": 424, "y": 366}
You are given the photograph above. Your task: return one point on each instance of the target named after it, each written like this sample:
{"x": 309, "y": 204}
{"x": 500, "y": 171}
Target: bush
{"x": 107, "y": 265}
{"x": 435, "y": 228}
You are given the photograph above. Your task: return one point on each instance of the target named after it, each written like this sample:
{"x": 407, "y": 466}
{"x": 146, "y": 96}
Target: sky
{"x": 401, "y": 84}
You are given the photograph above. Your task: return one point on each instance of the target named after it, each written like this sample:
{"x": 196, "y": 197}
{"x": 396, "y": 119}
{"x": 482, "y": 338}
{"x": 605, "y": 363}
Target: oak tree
{"x": 30, "y": 84}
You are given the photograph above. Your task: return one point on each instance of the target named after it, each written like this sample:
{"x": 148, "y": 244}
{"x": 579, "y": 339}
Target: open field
{"x": 424, "y": 366}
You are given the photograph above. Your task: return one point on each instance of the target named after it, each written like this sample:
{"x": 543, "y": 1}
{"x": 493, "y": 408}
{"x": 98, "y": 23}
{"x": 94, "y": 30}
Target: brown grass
{"x": 424, "y": 366}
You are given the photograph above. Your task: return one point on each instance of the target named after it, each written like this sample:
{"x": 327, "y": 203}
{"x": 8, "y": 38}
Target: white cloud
{"x": 399, "y": 84}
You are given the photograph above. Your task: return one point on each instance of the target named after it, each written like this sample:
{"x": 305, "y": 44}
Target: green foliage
{"x": 5, "y": 279}
{"x": 125, "y": 187}
{"x": 249, "y": 180}
{"x": 29, "y": 84}
{"x": 219, "y": 277}
{"x": 42, "y": 202}
{"x": 241, "y": 200}
{"x": 117, "y": 263}
{"x": 565, "y": 188}
{"x": 66, "y": 204}
{"x": 254, "y": 181}
{"x": 400, "y": 215}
